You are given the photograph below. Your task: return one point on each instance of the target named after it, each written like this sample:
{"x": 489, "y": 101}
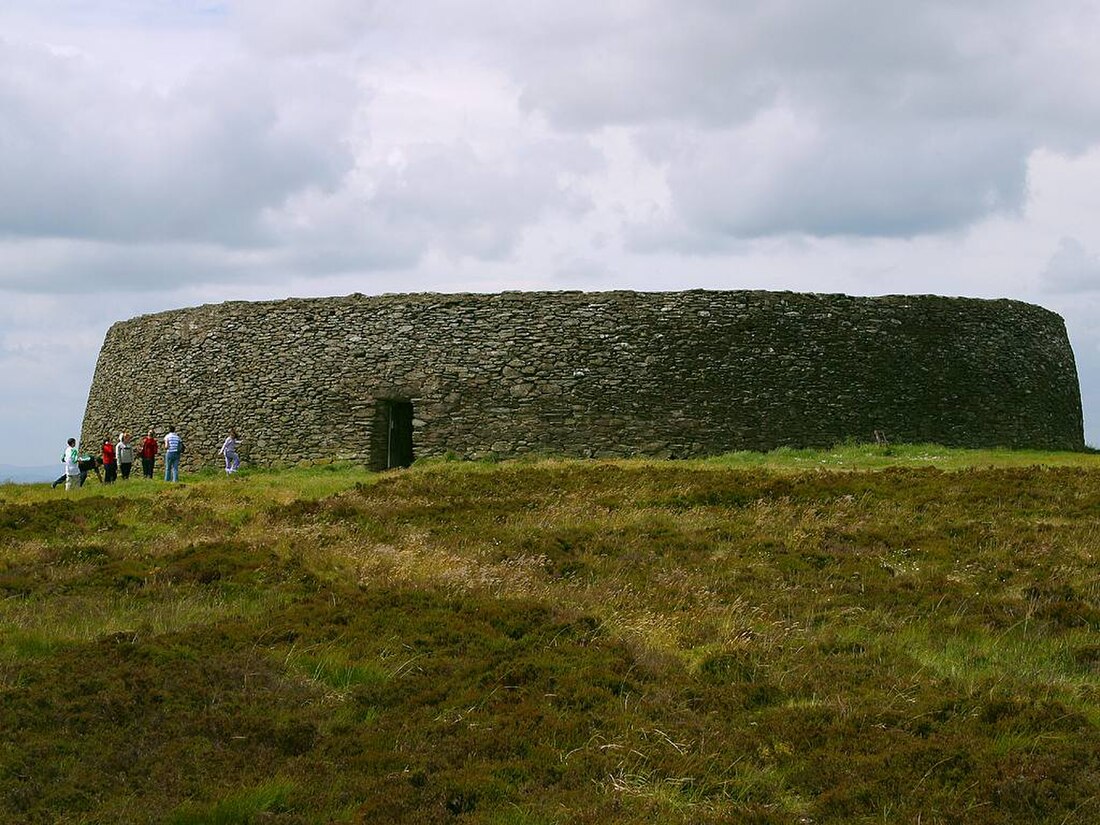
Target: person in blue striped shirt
{"x": 173, "y": 446}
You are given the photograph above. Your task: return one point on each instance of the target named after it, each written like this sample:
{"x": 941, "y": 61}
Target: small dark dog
{"x": 87, "y": 464}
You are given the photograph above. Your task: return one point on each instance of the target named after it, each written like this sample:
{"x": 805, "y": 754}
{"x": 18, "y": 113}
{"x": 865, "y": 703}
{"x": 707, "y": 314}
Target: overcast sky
{"x": 167, "y": 153}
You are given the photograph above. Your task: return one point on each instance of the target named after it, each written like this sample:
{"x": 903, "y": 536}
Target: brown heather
{"x": 848, "y": 636}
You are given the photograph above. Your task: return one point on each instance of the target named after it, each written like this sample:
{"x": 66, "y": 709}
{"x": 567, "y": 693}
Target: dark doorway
{"x": 398, "y": 417}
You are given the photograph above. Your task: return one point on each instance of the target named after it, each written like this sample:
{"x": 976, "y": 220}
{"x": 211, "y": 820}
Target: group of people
{"x": 117, "y": 458}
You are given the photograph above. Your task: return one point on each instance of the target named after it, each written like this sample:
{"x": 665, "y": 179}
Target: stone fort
{"x": 384, "y": 380}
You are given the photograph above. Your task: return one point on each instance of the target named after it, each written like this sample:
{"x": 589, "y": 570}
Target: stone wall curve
{"x": 668, "y": 374}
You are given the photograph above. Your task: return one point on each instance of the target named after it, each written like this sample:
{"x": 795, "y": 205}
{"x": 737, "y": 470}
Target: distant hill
{"x": 10, "y": 473}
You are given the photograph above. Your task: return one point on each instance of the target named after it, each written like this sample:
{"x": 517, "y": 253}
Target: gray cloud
{"x": 782, "y": 175}
{"x": 442, "y": 198}
{"x": 1072, "y": 269}
{"x": 44, "y": 348}
{"x": 96, "y": 267}
{"x": 88, "y": 155}
{"x": 249, "y": 168}
{"x": 923, "y": 115}
{"x": 716, "y": 63}
{"x": 1082, "y": 314}
{"x": 825, "y": 117}
{"x": 291, "y": 27}
{"x": 437, "y": 198}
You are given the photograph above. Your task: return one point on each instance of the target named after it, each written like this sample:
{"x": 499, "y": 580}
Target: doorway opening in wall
{"x": 397, "y": 424}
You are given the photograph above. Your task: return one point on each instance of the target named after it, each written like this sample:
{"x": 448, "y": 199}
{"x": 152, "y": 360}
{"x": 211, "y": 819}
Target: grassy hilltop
{"x": 860, "y": 635}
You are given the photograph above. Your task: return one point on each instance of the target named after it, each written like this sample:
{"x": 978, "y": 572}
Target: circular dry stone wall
{"x": 386, "y": 379}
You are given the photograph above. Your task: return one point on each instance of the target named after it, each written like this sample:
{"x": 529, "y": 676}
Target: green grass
{"x": 238, "y": 809}
{"x": 859, "y": 635}
{"x": 873, "y": 456}
{"x": 329, "y": 668}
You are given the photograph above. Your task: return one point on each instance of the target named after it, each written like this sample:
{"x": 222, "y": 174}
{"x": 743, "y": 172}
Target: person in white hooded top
{"x": 71, "y": 457}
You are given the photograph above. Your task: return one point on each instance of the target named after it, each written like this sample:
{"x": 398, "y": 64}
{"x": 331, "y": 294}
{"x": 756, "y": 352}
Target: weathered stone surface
{"x": 618, "y": 373}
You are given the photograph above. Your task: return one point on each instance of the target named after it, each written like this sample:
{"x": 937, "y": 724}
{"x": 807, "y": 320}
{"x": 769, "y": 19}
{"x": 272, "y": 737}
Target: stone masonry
{"x": 588, "y": 374}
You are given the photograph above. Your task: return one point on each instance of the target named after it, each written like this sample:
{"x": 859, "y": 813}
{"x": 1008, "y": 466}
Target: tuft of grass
{"x": 330, "y": 669}
{"x": 240, "y": 808}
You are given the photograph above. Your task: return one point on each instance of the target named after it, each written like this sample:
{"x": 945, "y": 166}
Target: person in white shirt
{"x": 173, "y": 446}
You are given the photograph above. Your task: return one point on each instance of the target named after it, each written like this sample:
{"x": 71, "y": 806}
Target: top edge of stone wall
{"x": 580, "y": 296}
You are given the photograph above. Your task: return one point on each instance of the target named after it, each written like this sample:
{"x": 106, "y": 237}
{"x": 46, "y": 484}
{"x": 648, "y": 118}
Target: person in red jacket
{"x": 110, "y": 466}
{"x": 148, "y": 453}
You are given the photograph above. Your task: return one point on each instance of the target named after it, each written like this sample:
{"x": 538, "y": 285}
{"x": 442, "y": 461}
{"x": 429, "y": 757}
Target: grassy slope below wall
{"x": 748, "y": 639}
